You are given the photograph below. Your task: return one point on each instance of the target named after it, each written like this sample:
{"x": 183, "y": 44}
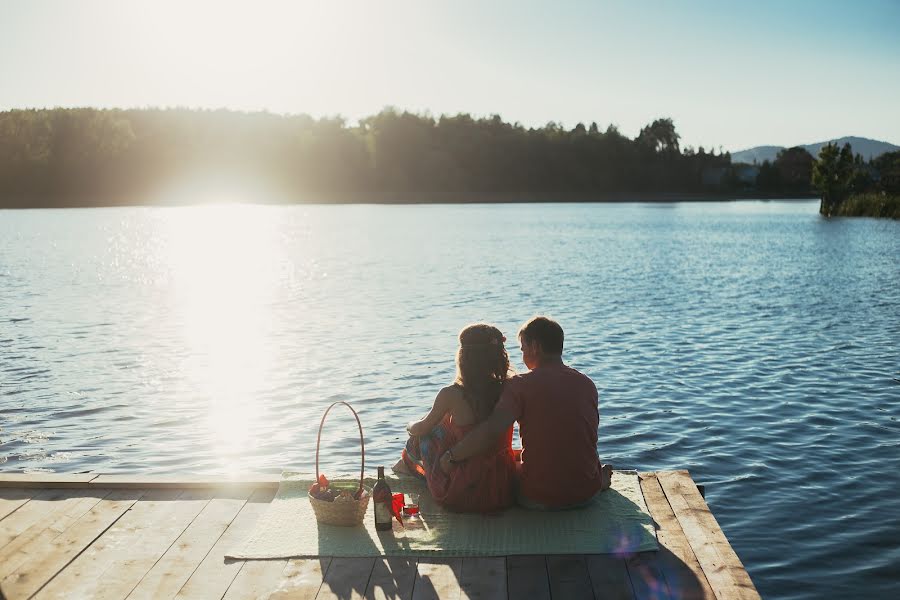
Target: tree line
{"x": 87, "y": 156}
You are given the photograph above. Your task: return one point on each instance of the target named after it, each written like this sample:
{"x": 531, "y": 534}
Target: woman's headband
{"x": 492, "y": 342}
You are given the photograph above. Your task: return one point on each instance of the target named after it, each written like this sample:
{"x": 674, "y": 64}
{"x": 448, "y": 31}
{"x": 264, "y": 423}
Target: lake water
{"x": 754, "y": 343}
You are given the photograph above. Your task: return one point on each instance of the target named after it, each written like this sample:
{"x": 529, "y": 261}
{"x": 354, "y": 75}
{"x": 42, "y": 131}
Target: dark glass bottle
{"x": 382, "y": 501}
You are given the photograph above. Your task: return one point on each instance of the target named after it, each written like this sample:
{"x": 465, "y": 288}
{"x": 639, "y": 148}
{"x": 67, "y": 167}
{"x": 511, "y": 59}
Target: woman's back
{"x": 483, "y": 483}
{"x": 459, "y": 408}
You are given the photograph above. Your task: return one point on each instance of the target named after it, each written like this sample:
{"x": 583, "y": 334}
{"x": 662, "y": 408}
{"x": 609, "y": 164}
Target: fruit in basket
{"x": 326, "y": 495}
{"x": 344, "y": 496}
{"x": 321, "y": 490}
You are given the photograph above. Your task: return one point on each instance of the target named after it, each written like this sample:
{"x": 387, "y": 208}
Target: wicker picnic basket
{"x": 348, "y": 512}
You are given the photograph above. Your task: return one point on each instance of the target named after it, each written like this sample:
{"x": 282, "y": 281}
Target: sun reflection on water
{"x": 224, "y": 262}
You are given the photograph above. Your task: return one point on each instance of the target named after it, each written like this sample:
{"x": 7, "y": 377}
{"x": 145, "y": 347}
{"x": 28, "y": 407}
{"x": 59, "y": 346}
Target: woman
{"x": 483, "y": 483}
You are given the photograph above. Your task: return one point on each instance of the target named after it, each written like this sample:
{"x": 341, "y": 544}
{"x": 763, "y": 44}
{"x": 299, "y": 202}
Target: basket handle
{"x": 362, "y": 445}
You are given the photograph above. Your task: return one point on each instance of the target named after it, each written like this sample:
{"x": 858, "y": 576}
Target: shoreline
{"x": 442, "y": 198}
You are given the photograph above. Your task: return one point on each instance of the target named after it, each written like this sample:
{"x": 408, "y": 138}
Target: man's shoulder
{"x": 557, "y": 376}
{"x": 580, "y": 375}
{"x": 520, "y": 380}
{"x": 519, "y": 377}
{"x": 566, "y": 378}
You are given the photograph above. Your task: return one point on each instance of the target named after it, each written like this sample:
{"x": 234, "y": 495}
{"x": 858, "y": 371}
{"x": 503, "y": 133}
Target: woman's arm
{"x": 434, "y": 416}
{"x": 479, "y": 440}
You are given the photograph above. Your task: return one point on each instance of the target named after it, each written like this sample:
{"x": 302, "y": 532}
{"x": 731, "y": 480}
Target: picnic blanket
{"x": 616, "y": 523}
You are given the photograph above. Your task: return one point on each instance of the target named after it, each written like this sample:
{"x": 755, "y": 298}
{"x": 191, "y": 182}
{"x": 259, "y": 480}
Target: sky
{"x": 730, "y": 74}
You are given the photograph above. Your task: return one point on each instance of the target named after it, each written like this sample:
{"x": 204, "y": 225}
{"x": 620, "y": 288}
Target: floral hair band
{"x": 492, "y": 342}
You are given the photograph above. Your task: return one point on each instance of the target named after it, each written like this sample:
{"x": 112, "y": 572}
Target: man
{"x": 556, "y": 407}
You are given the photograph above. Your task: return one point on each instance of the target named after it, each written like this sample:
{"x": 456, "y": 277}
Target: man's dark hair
{"x": 546, "y": 332}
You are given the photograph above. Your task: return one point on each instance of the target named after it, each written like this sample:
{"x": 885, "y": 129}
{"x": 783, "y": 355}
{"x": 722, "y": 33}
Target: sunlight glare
{"x": 224, "y": 261}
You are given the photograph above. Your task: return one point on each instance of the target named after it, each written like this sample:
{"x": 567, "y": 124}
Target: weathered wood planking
{"x": 526, "y": 577}
{"x": 683, "y": 574}
{"x": 301, "y": 579}
{"x": 45, "y": 480}
{"x": 569, "y": 577}
{"x": 437, "y": 578}
{"x": 392, "y": 578}
{"x": 150, "y": 482}
{"x": 40, "y": 567}
{"x": 167, "y": 576}
{"x": 346, "y": 579}
{"x": 256, "y": 579}
{"x": 113, "y": 537}
{"x": 146, "y": 482}
{"x": 133, "y": 563}
{"x": 721, "y": 565}
{"x": 483, "y": 578}
{"x": 12, "y": 498}
{"x": 39, "y": 523}
{"x": 83, "y": 575}
{"x": 214, "y": 574}
{"x": 609, "y": 577}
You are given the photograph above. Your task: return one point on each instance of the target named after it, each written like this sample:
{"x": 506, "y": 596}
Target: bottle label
{"x": 382, "y": 513}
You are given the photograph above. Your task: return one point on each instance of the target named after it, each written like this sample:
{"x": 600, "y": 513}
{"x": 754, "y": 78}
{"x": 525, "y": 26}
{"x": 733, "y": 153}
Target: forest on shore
{"x": 100, "y": 157}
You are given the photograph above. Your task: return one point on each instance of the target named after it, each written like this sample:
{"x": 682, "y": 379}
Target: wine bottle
{"x": 382, "y": 502}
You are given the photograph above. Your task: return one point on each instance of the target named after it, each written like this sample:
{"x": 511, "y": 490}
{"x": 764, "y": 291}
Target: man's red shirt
{"x": 557, "y": 410}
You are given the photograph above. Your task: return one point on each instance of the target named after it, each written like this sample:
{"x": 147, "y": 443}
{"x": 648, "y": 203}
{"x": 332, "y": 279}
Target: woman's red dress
{"x": 480, "y": 484}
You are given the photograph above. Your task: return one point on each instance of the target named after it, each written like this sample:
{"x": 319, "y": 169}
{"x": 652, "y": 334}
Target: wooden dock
{"x": 114, "y": 537}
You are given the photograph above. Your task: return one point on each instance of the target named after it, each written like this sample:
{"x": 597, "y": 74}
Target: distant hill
{"x": 868, "y": 148}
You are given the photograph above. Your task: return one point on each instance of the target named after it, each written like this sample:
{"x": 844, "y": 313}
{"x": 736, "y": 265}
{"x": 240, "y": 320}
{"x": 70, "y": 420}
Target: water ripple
{"x": 753, "y": 343}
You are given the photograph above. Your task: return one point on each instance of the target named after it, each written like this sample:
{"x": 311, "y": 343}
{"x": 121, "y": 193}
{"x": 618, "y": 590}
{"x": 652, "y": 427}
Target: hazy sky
{"x": 730, "y": 74}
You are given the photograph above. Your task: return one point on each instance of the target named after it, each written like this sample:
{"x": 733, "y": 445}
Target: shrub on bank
{"x": 870, "y": 204}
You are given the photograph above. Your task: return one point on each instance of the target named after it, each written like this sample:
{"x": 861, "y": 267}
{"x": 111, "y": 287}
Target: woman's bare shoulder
{"x": 451, "y": 392}
{"x": 453, "y": 399}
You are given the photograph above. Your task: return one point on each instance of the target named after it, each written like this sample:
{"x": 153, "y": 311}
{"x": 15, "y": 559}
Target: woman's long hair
{"x": 482, "y": 367}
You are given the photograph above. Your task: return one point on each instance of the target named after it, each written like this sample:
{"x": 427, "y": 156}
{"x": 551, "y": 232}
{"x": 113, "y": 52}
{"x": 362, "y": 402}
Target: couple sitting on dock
{"x": 463, "y": 446}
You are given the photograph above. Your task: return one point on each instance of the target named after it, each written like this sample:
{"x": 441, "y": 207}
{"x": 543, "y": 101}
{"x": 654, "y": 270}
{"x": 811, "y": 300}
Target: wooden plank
{"x": 646, "y": 576}
{"x": 45, "y": 480}
{"x": 12, "y": 498}
{"x": 569, "y": 577}
{"x": 301, "y": 579}
{"x": 526, "y": 577}
{"x": 42, "y": 504}
{"x": 683, "y": 573}
{"x": 721, "y": 565}
{"x": 187, "y": 482}
{"x": 392, "y": 579}
{"x": 83, "y": 576}
{"x": 30, "y": 576}
{"x": 130, "y": 566}
{"x": 483, "y": 578}
{"x": 437, "y": 579}
{"x": 256, "y": 579}
{"x": 212, "y": 578}
{"x": 609, "y": 577}
{"x": 54, "y": 519}
{"x": 347, "y": 579}
{"x": 178, "y": 563}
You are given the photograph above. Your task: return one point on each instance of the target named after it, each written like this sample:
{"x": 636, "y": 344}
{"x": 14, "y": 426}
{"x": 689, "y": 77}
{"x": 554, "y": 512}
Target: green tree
{"x": 768, "y": 179}
{"x": 832, "y": 177}
{"x": 888, "y": 168}
{"x": 660, "y": 137}
{"x": 794, "y": 166}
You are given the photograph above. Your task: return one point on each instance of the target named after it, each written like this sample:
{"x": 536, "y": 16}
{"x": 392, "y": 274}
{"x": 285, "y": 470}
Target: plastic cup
{"x": 411, "y": 508}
